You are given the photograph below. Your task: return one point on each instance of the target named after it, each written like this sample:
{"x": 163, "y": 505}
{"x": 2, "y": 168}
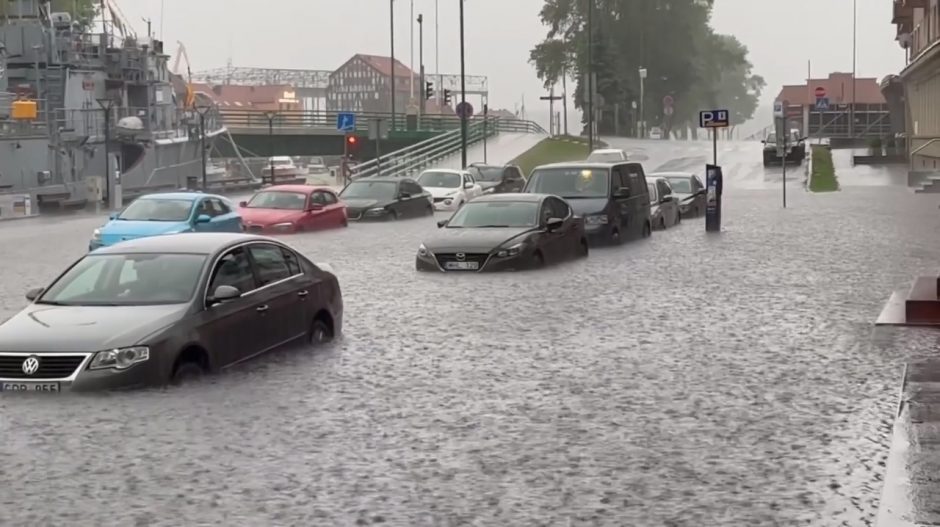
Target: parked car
{"x": 168, "y": 213}
{"x": 613, "y": 198}
{"x": 664, "y": 208}
{"x": 385, "y": 198}
{"x": 496, "y": 179}
{"x": 656, "y": 133}
{"x": 292, "y": 208}
{"x": 607, "y": 155}
{"x": 165, "y": 309}
{"x": 503, "y": 232}
{"x": 450, "y": 189}
{"x": 688, "y": 190}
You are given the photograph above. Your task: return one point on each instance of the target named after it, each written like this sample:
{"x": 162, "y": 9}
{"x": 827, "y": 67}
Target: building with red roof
{"x": 841, "y": 99}
{"x": 363, "y": 84}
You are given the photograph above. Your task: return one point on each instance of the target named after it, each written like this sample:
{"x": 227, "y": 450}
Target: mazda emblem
{"x": 31, "y": 365}
{"x": 461, "y": 256}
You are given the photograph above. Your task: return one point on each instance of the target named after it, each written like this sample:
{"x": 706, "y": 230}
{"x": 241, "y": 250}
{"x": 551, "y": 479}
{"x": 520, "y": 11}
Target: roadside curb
{"x": 16, "y": 218}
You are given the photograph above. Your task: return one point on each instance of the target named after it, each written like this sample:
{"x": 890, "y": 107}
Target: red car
{"x": 292, "y": 208}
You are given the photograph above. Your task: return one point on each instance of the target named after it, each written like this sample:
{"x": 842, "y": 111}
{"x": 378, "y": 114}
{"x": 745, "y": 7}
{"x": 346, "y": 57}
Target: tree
{"x": 671, "y": 39}
{"x": 82, "y": 11}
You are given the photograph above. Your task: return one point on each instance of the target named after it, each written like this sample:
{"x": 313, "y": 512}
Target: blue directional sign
{"x": 713, "y": 119}
{"x": 346, "y": 122}
{"x": 822, "y": 104}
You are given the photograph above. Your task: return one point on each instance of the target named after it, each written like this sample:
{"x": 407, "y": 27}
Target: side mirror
{"x": 468, "y": 185}
{"x": 243, "y": 204}
{"x": 404, "y": 195}
{"x": 113, "y": 215}
{"x": 441, "y": 224}
{"x": 33, "y": 294}
{"x": 622, "y": 192}
{"x": 203, "y": 218}
{"x": 553, "y": 224}
{"x": 315, "y": 207}
{"x": 224, "y": 293}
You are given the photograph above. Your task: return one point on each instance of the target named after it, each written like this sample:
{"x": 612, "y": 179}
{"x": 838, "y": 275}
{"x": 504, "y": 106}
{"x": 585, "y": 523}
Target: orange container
{"x": 25, "y": 110}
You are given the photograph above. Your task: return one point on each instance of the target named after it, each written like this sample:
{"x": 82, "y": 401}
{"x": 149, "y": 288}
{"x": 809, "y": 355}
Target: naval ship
{"x": 57, "y": 77}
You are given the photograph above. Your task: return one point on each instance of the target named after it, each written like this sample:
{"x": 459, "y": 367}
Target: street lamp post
{"x": 391, "y": 8}
{"x": 642, "y": 134}
{"x": 107, "y": 105}
{"x": 590, "y": 74}
{"x": 202, "y": 110}
{"x": 854, "y": 55}
{"x": 421, "y": 105}
{"x": 463, "y": 95}
{"x": 271, "y": 115}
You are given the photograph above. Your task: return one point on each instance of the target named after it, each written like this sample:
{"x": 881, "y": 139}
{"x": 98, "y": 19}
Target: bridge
{"x": 314, "y": 133}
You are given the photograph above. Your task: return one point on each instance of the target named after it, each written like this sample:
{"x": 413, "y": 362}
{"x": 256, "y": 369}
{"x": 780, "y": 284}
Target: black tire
{"x": 662, "y": 224}
{"x": 584, "y": 249}
{"x": 647, "y": 230}
{"x": 395, "y": 215}
{"x": 430, "y": 210}
{"x": 616, "y": 237}
{"x": 320, "y": 333}
{"x": 185, "y": 372}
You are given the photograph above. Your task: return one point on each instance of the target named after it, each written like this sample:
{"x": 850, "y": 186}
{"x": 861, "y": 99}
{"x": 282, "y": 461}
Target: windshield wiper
{"x": 493, "y": 226}
{"x": 52, "y": 303}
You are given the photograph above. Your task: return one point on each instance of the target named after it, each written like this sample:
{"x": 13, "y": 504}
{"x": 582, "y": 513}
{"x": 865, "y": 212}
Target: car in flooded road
{"x": 688, "y": 190}
{"x": 162, "y": 309}
{"x": 450, "y": 189}
{"x": 664, "y": 209}
{"x": 168, "y": 213}
{"x": 496, "y": 179}
{"x": 505, "y": 232}
{"x": 612, "y": 198}
{"x": 292, "y": 208}
{"x": 383, "y": 198}
{"x": 607, "y": 155}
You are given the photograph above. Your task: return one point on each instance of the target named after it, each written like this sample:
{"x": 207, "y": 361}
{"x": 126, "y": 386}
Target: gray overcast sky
{"x": 313, "y": 34}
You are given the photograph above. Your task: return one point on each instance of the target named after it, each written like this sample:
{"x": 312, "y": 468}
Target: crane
{"x": 181, "y": 53}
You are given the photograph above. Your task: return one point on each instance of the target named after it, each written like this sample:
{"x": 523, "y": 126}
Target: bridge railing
{"x": 415, "y": 158}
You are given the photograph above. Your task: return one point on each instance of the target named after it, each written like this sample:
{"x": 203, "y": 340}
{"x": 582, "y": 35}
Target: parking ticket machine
{"x": 713, "y": 189}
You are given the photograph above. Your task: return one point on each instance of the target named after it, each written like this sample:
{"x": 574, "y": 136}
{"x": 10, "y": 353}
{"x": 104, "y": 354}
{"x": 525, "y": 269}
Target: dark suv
{"x": 796, "y": 149}
{"x": 613, "y": 198}
{"x": 496, "y": 179}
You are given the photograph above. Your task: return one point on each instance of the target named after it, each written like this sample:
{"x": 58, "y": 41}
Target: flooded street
{"x": 687, "y": 380}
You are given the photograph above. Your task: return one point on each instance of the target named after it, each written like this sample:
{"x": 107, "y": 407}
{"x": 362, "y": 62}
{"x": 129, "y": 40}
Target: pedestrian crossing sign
{"x": 822, "y": 104}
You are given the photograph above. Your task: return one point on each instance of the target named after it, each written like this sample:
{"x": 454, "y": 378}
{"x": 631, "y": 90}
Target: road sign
{"x": 778, "y": 109}
{"x": 668, "y": 101}
{"x": 820, "y": 92}
{"x": 822, "y": 104}
{"x": 464, "y": 110}
{"x": 669, "y": 110}
{"x": 346, "y": 121}
{"x": 713, "y": 119}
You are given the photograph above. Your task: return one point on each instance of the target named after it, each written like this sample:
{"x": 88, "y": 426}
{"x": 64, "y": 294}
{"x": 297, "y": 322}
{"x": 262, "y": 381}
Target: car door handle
{"x": 303, "y": 294}
{"x": 262, "y": 309}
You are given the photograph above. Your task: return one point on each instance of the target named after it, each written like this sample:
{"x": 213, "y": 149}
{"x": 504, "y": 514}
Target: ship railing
{"x": 162, "y": 122}
{"x": 10, "y": 127}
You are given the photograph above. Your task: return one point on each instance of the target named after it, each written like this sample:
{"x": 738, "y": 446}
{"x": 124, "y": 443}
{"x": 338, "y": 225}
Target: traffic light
{"x": 429, "y": 90}
{"x": 446, "y": 97}
{"x": 352, "y": 144}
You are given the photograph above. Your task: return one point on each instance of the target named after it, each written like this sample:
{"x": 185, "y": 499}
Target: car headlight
{"x": 511, "y": 251}
{"x": 596, "y": 219}
{"x": 448, "y": 201}
{"x": 423, "y": 251}
{"x": 376, "y": 211}
{"x": 96, "y": 235}
{"x": 287, "y": 225}
{"x": 119, "y": 359}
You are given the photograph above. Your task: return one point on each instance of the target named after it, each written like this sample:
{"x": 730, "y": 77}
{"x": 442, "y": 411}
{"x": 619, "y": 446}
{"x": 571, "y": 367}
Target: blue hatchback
{"x": 168, "y": 213}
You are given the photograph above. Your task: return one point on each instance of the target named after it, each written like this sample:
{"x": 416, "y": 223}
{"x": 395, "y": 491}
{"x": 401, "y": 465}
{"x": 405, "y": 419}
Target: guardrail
{"x": 417, "y": 157}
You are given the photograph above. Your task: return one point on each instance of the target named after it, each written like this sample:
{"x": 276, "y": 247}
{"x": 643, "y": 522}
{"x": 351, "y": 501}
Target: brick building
{"x": 872, "y": 118}
{"x": 363, "y": 84}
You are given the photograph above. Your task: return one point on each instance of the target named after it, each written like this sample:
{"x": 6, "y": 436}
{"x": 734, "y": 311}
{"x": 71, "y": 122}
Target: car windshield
{"x": 275, "y": 199}
{"x": 127, "y": 280}
{"x": 495, "y": 214}
{"x": 772, "y": 138}
{"x": 153, "y": 209}
{"x": 605, "y": 157}
{"x": 439, "y": 179}
{"x": 680, "y": 185}
{"x": 487, "y": 173}
{"x": 369, "y": 190}
{"x": 571, "y": 182}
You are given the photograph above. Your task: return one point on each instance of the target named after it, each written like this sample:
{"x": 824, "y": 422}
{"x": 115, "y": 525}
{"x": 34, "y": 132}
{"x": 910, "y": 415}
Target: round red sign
{"x": 668, "y": 100}
{"x": 820, "y": 92}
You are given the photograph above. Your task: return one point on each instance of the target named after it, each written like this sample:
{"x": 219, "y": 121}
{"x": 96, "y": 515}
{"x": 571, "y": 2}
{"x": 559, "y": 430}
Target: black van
{"x": 612, "y": 198}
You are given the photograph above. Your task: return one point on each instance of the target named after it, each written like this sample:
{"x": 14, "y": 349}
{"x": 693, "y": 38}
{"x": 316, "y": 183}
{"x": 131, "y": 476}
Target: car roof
{"x": 180, "y": 195}
{"x": 527, "y": 197}
{"x": 583, "y": 164}
{"x": 607, "y": 151}
{"x": 306, "y": 189}
{"x": 445, "y": 170}
{"x": 187, "y": 243}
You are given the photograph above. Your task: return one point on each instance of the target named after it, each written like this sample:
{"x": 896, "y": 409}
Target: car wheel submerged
{"x": 538, "y": 261}
{"x": 320, "y": 333}
{"x": 647, "y": 230}
{"x": 662, "y": 224}
{"x": 186, "y": 371}
{"x": 615, "y": 238}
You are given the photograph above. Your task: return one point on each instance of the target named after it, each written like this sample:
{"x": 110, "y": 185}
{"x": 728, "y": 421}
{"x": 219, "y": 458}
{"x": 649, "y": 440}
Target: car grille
{"x": 439, "y": 200}
{"x": 479, "y": 258}
{"x": 50, "y": 367}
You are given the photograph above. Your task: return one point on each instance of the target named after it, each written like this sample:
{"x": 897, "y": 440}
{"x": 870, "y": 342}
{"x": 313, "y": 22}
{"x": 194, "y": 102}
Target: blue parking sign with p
{"x": 713, "y": 119}
{"x": 346, "y": 121}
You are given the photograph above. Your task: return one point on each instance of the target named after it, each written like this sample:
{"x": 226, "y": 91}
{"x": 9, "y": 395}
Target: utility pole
{"x": 437, "y": 56}
{"x": 463, "y": 95}
{"x": 412, "y": 64}
{"x": 421, "y": 106}
{"x": 854, "y": 55}
{"x": 391, "y": 7}
{"x": 551, "y": 98}
{"x": 590, "y": 74}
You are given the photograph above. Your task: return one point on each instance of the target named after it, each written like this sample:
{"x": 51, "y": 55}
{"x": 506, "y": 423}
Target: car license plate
{"x": 29, "y": 387}
{"x": 463, "y": 266}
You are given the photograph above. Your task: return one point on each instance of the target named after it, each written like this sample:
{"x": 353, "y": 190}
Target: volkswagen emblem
{"x": 31, "y": 365}
{"x": 461, "y": 256}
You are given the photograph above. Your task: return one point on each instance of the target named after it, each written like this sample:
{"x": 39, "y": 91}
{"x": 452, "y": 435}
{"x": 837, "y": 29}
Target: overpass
{"x": 314, "y": 133}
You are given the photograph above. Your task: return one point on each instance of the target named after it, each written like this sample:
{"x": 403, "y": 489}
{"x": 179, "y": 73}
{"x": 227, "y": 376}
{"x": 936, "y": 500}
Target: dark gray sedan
{"x": 505, "y": 232}
{"x": 688, "y": 190}
{"x": 163, "y": 309}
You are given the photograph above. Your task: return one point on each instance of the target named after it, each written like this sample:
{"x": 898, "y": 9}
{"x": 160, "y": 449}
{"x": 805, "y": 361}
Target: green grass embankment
{"x": 824, "y": 173}
{"x": 553, "y": 150}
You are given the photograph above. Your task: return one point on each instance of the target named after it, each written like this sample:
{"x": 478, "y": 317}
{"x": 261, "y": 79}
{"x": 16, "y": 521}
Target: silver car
{"x": 664, "y": 208}
{"x": 688, "y": 190}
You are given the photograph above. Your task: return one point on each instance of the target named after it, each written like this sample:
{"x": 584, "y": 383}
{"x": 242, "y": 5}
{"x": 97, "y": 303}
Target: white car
{"x": 607, "y": 155}
{"x": 449, "y": 188}
{"x": 656, "y": 133}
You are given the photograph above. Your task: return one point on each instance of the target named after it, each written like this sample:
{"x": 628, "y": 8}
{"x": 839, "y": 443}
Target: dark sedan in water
{"x": 380, "y": 198}
{"x": 505, "y": 232}
{"x": 156, "y": 310}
